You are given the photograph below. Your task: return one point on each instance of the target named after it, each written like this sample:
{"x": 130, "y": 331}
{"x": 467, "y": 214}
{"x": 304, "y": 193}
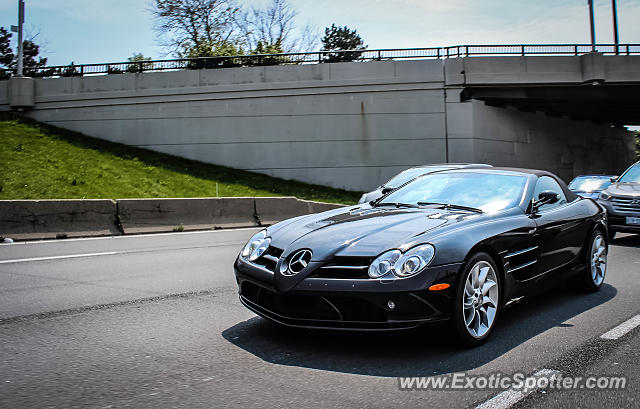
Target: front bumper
{"x": 617, "y": 220}
{"x": 348, "y": 304}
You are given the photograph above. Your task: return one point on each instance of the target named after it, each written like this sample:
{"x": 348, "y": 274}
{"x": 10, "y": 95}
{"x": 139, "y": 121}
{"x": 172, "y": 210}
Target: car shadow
{"x": 425, "y": 351}
{"x": 627, "y": 240}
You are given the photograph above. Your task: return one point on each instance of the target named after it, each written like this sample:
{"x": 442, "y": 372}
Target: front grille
{"x": 344, "y": 267}
{"x": 626, "y": 205}
{"x": 313, "y": 307}
{"x": 270, "y": 258}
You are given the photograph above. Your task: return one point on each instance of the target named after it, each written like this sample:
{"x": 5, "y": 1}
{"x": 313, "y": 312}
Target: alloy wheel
{"x": 598, "y": 259}
{"x": 480, "y": 299}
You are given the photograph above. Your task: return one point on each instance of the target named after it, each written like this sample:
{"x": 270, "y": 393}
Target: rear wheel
{"x": 477, "y": 301}
{"x": 592, "y": 277}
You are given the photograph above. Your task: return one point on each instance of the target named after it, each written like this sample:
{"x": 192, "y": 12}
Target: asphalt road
{"x": 154, "y": 321}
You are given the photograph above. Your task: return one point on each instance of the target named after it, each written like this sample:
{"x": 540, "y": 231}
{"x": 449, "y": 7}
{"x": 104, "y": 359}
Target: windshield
{"x": 405, "y": 176}
{"x": 632, "y": 175}
{"x": 486, "y": 191}
{"x": 589, "y": 184}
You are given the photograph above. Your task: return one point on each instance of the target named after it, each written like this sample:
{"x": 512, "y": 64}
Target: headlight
{"x": 604, "y": 195}
{"x": 414, "y": 260}
{"x": 256, "y": 246}
{"x": 402, "y": 265}
{"x": 384, "y": 263}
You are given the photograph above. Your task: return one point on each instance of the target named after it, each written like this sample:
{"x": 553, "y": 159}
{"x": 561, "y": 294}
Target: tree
{"x": 217, "y": 28}
{"x": 268, "y": 48}
{"x": 30, "y": 60}
{"x": 264, "y": 27}
{"x": 70, "y": 71}
{"x": 262, "y": 48}
{"x": 340, "y": 39}
{"x": 138, "y": 62}
{"x": 30, "y": 52}
{"x": 274, "y": 27}
{"x": 6, "y": 53}
{"x": 196, "y": 28}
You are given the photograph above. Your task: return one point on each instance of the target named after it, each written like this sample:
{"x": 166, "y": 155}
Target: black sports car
{"x": 457, "y": 245}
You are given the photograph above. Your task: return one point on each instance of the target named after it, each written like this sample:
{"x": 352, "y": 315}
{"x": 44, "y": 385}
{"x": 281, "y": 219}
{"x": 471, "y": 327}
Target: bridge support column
{"x": 21, "y": 92}
{"x": 593, "y": 67}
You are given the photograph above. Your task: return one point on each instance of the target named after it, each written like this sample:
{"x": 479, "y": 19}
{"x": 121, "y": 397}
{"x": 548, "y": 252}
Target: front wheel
{"x": 592, "y": 276}
{"x": 477, "y": 301}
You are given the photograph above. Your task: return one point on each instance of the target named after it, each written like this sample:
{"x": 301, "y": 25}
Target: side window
{"x": 549, "y": 183}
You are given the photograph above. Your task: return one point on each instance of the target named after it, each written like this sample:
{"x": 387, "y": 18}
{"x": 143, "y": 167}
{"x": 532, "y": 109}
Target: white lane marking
{"x": 133, "y": 236}
{"x": 25, "y": 260}
{"x": 510, "y": 397}
{"x": 622, "y": 329}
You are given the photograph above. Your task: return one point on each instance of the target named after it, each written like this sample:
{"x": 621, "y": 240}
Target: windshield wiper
{"x": 396, "y": 204}
{"x": 448, "y": 206}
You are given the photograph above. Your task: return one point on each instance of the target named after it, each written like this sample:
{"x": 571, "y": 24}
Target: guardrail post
{"x": 522, "y": 50}
{"x": 81, "y": 70}
{"x": 575, "y": 49}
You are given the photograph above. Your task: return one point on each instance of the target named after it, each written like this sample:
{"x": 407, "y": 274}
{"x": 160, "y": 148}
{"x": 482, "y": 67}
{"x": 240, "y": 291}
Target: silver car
{"x": 622, "y": 201}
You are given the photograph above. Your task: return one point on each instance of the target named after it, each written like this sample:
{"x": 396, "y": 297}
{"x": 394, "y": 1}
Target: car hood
{"x": 361, "y": 231}
{"x": 624, "y": 189}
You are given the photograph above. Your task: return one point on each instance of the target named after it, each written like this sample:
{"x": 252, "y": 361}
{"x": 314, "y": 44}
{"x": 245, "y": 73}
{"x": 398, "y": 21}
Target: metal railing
{"x": 325, "y": 57}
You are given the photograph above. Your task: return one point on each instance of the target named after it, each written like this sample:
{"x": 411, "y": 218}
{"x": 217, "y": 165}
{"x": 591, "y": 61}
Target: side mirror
{"x": 548, "y": 197}
{"x": 545, "y": 197}
{"x": 613, "y": 179}
{"x": 386, "y": 190}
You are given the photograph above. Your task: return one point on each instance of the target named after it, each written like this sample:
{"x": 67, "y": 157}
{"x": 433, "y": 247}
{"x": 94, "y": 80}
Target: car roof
{"x": 522, "y": 171}
{"x": 453, "y": 165}
{"x": 600, "y": 175}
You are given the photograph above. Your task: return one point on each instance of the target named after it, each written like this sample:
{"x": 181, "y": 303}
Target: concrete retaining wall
{"x": 509, "y": 137}
{"x": 342, "y": 125}
{"x": 45, "y": 219}
{"x": 346, "y": 125}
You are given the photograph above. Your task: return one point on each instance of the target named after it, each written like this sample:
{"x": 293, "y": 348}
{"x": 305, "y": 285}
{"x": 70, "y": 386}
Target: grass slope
{"x": 38, "y": 161}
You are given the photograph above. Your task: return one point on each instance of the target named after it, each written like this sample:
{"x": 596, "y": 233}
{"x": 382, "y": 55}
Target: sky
{"x": 94, "y": 31}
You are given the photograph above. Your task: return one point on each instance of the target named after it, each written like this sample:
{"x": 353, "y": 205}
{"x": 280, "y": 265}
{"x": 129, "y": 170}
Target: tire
{"x": 612, "y": 235}
{"x": 477, "y": 305}
{"x": 592, "y": 277}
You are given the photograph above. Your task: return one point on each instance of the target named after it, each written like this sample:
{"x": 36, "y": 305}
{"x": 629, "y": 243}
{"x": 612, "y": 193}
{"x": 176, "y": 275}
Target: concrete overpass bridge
{"x": 353, "y": 124}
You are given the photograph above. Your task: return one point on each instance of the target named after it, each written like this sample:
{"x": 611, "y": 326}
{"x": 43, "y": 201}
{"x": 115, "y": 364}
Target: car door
{"x": 560, "y": 229}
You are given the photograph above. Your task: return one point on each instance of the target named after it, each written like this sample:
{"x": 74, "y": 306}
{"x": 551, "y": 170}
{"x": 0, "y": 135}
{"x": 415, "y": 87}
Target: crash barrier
{"x": 43, "y": 219}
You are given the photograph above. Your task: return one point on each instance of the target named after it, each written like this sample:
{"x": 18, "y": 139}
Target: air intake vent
{"x": 270, "y": 258}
